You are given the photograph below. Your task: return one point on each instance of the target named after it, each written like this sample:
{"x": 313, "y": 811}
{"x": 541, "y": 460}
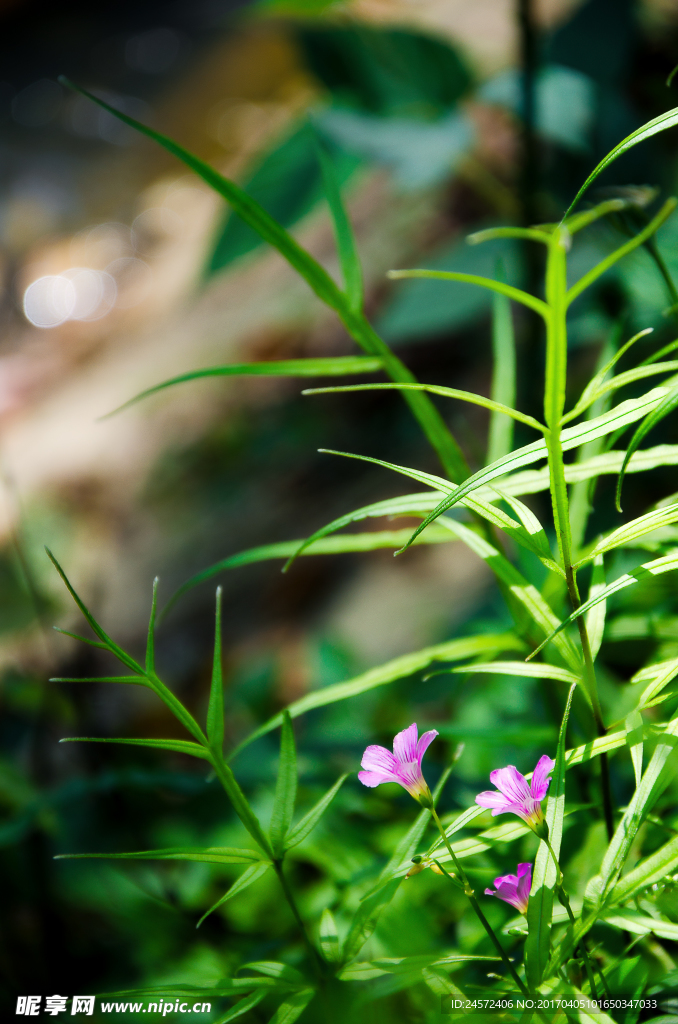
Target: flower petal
{"x": 424, "y": 742}
{"x": 524, "y": 881}
{"x": 373, "y": 779}
{"x": 511, "y": 783}
{"x": 405, "y": 745}
{"x": 378, "y": 759}
{"x": 492, "y": 798}
{"x": 540, "y": 777}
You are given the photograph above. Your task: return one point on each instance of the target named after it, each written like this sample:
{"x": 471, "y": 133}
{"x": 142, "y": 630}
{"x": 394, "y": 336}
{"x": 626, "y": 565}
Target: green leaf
{"x": 526, "y": 533}
{"x": 364, "y": 970}
{"x": 647, "y": 570}
{"x": 656, "y": 777}
{"x": 664, "y": 409}
{"x": 285, "y": 787}
{"x": 246, "y": 207}
{"x": 215, "y": 708}
{"x": 650, "y": 870}
{"x": 632, "y": 531}
{"x": 329, "y": 937}
{"x": 334, "y": 366}
{"x": 305, "y": 826}
{"x": 150, "y": 638}
{"x": 500, "y": 438}
{"x": 277, "y": 970}
{"x": 660, "y": 675}
{"x": 623, "y": 414}
{"x": 206, "y": 855}
{"x": 248, "y": 877}
{"x": 177, "y": 746}
{"x": 98, "y": 631}
{"x": 484, "y": 282}
{"x": 595, "y": 617}
{"x": 540, "y": 904}
{"x": 398, "y": 668}
{"x": 634, "y": 729}
{"x": 646, "y": 131}
{"x": 240, "y": 803}
{"x": 521, "y": 669}
{"x": 584, "y": 282}
{"x": 368, "y": 913}
{"x": 345, "y": 544}
{"x": 293, "y": 1007}
{"x": 642, "y": 924}
{"x": 591, "y": 392}
{"x": 243, "y": 1005}
{"x": 343, "y": 233}
{"x": 436, "y": 389}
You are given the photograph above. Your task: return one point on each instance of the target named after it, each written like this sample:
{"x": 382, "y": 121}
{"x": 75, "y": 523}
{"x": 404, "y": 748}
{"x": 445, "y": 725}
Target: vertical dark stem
{"x": 529, "y": 170}
{"x": 317, "y": 963}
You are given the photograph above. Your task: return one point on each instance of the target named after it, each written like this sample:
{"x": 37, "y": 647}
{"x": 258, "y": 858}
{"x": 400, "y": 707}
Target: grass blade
{"x": 285, "y": 788}
{"x": 243, "y": 1005}
{"x": 176, "y": 746}
{"x": 650, "y": 870}
{"x": 150, "y": 639}
{"x": 215, "y": 708}
{"x": 595, "y": 617}
{"x": 646, "y": 131}
{"x": 633, "y": 530}
{"x": 248, "y": 877}
{"x": 329, "y": 937}
{"x": 343, "y": 233}
{"x": 305, "y": 826}
{"x": 399, "y": 668}
{"x": 484, "y": 282}
{"x": 500, "y": 438}
{"x": 209, "y": 855}
{"x": 335, "y": 366}
{"x": 521, "y": 669}
{"x": 246, "y": 207}
{"x": 293, "y": 1007}
{"x": 666, "y": 406}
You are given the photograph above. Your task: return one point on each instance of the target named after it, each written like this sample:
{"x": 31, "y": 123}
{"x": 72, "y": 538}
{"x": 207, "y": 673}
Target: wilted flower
{"x": 514, "y": 889}
{"x": 402, "y": 766}
{"x": 516, "y": 795}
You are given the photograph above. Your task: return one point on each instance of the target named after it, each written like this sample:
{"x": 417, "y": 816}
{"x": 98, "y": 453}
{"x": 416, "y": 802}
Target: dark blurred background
{"x": 119, "y": 270}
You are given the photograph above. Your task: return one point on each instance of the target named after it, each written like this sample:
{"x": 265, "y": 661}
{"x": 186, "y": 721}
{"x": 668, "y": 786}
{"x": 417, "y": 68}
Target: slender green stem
{"x": 565, "y": 902}
{"x": 318, "y": 964}
{"x": 470, "y": 895}
{"x": 554, "y": 404}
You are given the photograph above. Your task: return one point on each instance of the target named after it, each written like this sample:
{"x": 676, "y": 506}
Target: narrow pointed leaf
{"x": 292, "y": 1007}
{"x": 305, "y": 826}
{"x": 524, "y": 669}
{"x": 656, "y": 778}
{"x": 659, "y": 679}
{"x": 150, "y": 638}
{"x": 246, "y": 207}
{"x": 176, "y": 746}
{"x": 664, "y": 409}
{"x": 650, "y": 870}
{"x": 436, "y": 389}
{"x": 240, "y": 803}
{"x": 500, "y": 438}
{"x": 647, "y": 570}
{"x": 623, "y": 414}
{"x": 329, "y": 937}
{"x": 634, "y": 728}
{"x": 398, "y": 668}
{"x": 243, "y": 1005}
{"x": 632, "y": 531}
{"x": 540, "y": 904}
{"x": 203, "y": 855}
{"x": 285, "y": 788}
{"x": 92, "y": 622}
{"x": 595, "y": 617}
{"x": 484, "y": 282}
{"x": 334, "y": 366}
{"x": 368, "y": 913}
{"x": 646, "y": 131}
{"x": 590, "y": 392}
{"x": 215, "y": 708}
{"x": 248, "y": 877}
{"x": 275, "y": 969}
{"x": 348, "y": 256}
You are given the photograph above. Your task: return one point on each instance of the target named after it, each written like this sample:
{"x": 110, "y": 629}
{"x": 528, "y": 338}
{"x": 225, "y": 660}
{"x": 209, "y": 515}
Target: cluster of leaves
{"x": 543, "y": 621}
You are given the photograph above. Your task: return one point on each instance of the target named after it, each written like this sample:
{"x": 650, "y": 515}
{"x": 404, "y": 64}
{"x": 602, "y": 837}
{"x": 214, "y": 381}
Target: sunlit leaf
{"x": 633, "y": 530}
{"x": 651, "y": 869}
{"x": 484, "y": 282}
{"x": 292, "y": 1007}
{"x": 500, "y": 435}
{"x": 329, "y": 937}
{"x": 285, "y": 788}
{"x": 248, "y": 877}
{"x": 176, "y": 746}
{"x": 206, "y": 855}
{"x": 664, "y": 409}
{"x": 305, "y": 826}
{"x": 215, "y": 708}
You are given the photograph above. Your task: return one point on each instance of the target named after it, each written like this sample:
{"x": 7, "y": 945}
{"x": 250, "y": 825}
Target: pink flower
{"x": 402, "y": 766}
{"x": 514, "y": 889}
{"x": 516, "y": 796}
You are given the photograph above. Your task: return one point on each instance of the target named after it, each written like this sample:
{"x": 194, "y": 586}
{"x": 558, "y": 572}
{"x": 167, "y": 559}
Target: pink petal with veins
{"x": 405, "y": 744}
{"x": 540, "y": 777}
